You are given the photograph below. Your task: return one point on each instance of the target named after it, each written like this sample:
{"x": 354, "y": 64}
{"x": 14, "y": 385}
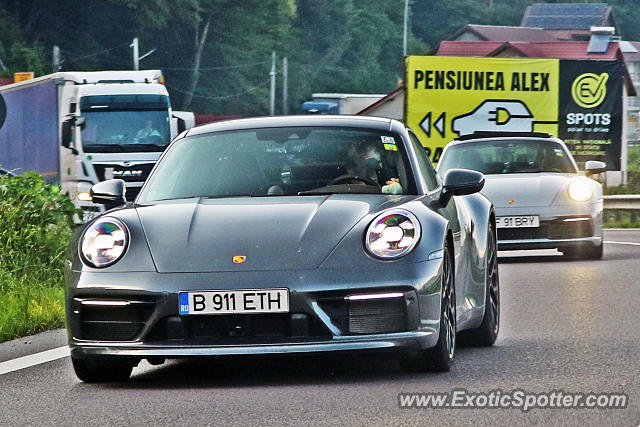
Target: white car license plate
{"x": 518, "y": 221}
{"x": 234, "y": 302}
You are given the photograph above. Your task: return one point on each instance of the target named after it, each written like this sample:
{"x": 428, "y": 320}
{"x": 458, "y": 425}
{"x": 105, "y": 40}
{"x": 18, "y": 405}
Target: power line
{"x": 216, "y": 97}
{"x": 351, "y": 70}
{"x": 95, "y": 54}
{"x": 227, "y": 67}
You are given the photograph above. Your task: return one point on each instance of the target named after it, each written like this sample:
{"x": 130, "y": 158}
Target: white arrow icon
{"x": 438, "y": 125}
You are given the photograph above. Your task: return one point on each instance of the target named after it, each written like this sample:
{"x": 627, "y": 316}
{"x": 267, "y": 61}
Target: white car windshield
{"x": 508, "y": 156}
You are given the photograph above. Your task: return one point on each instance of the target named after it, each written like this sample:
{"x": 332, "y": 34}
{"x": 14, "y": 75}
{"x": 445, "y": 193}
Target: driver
{"x": 147, "y": 131}
{"x": 365, "y": 160}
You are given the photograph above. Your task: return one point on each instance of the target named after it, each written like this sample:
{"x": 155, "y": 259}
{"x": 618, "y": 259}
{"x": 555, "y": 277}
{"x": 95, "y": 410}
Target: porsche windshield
{"x": 125, "y": 123}
{"x": 508, "y": 156}
{"x": 282, "y": 161}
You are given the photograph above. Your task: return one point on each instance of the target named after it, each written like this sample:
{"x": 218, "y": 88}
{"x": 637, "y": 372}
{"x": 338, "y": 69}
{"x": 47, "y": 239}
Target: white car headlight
{"x": 104, "y": 242}
{"x": 392, "y": 234}
{"x": 580, "y": 190}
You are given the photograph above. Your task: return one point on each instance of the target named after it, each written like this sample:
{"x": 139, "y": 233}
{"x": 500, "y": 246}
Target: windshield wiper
{"x": 317, "y": 193}
{"x": 346, "y": 189}
{"x": 219, "y": 196}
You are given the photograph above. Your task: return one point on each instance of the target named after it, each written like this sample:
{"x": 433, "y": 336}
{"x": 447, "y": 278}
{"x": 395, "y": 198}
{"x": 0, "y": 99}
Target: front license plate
{"x": 235, "y": 302}
{"x": 518, "y": 221}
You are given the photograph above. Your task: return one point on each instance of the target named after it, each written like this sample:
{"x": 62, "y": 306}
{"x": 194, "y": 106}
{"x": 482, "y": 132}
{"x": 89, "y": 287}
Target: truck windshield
{"x": 125, "y": 123}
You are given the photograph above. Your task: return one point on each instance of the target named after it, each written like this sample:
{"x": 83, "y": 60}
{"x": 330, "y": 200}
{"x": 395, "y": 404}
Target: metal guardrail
{"x": 622, "y": 201}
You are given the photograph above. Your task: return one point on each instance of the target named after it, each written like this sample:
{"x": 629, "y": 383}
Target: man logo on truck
{"x": 129, "y": 173}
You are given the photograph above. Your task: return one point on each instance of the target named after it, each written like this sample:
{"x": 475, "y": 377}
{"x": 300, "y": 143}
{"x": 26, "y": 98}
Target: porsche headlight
{"x": 104, "y": 242}
{"x": 393, "y": 234}
{"x": 580, "y": 190}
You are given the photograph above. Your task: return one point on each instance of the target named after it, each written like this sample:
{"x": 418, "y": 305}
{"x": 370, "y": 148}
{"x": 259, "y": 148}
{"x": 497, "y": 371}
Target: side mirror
{"x": 459, "y": 182}
{"x": 593, "y": 167}
{"x": 109, "y": 193}
{"x": 182, "y": 125}
{"x": 67, "y": 128}
{"x": 65, "y": 134}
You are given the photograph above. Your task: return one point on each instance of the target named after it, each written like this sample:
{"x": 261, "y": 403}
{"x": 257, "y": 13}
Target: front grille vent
{"x": 112, "y": 322}
{"x": 377, "y": 316}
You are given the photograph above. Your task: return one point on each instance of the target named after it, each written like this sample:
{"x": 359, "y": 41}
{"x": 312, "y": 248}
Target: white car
{"x": 541, "y": 199}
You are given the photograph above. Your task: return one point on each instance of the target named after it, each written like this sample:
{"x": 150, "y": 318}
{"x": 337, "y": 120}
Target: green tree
{"x": 16, "y": 53}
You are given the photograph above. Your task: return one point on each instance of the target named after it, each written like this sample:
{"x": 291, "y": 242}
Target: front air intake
{"x": 112, "y": 320}
{"x": 377, "y": 316}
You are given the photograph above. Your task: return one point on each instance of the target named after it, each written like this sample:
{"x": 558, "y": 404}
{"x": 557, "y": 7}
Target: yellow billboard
{"x": 448, "y": 97}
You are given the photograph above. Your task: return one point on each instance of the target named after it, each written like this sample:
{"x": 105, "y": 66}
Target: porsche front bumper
{"x": 136, "y": 314}
{"x": 560, "y": 227}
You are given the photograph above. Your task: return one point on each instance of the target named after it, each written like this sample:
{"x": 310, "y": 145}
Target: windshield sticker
{"x": 389, "y": 143}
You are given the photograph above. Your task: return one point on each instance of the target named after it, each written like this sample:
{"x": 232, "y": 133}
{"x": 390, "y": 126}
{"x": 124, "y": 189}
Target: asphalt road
{"x": 566, "y": 325}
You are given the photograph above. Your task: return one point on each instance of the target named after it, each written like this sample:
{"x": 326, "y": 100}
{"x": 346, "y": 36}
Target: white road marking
{"x": 623, "y": 243}
{"x": 33, "y": 359}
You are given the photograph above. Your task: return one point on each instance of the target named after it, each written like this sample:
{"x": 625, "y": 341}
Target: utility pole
{"x": 406, "y": 22}
{"x": 272, "y": 103}
{"x": 136, "y": 54}
{"x": 56, "y": 59}
{"x": 285, "y": 87}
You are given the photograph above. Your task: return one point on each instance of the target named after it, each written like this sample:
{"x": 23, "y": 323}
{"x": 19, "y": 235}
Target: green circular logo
{"x": 589, "y": 90}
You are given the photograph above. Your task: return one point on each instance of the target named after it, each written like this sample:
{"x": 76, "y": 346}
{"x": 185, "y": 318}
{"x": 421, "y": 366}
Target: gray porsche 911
{"x": 285, "y": 235}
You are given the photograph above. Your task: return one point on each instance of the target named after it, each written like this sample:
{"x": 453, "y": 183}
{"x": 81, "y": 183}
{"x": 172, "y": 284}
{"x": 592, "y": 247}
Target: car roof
{"x": 505, "y": 136}
{"x": 378, "y": 123}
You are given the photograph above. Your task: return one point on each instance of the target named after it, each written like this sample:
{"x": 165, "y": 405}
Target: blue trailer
{"x": 29, "y": 130}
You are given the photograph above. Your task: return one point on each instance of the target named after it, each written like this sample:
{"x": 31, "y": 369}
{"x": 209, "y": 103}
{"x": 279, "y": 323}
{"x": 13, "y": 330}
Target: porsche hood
{"x": 241, "y": 234}
{"x": 524, "y": 190}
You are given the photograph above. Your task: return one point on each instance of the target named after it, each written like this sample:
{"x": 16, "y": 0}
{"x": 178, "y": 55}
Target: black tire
{"x": 596, "y": 252}
{"x": 584, "y": 252}
{"x": 441, "y": 356}
{"x": 102, "y": 370}
{"x": 486, "y": 334}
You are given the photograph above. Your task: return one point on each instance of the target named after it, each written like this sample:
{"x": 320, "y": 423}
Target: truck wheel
{"x": 102, "y": 370}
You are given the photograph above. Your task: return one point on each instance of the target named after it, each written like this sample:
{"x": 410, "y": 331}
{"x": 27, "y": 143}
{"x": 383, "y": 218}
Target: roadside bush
{"x": 35, "y": 225}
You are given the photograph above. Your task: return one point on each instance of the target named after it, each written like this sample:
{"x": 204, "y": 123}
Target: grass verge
{"x": 29, "y": 308}
{"x": 35, "y": 226}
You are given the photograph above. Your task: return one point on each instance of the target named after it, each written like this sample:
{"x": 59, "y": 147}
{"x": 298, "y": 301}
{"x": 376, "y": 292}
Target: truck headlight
{"x": 580, "y": 190}
{"x": 392, "y": 234}
{"x": 84, "y": 196}
{"x": 83, "y": 191}
{"x": 104, "y": 242}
